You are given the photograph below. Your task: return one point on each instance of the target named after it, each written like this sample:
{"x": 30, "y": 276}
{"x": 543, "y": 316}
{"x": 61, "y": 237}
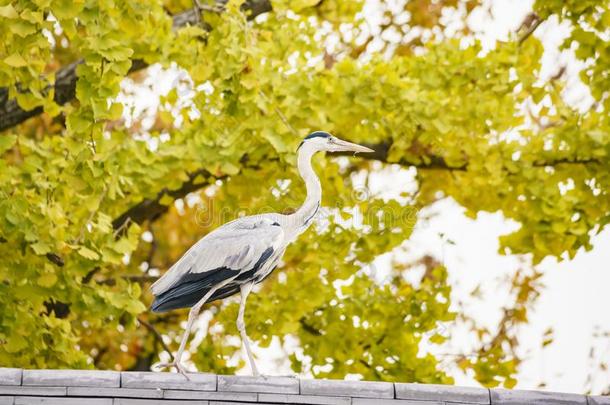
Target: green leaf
{"x": 78, "y": 123}
{"x": 600, "y": 136}
{"x": 47, "y": 280}
{"x": 438, "y": 339}
{"x": 7, "y": 142}
{"x": 67, "y": 9}
{"x": 15, "y": 344}
{"x": 88, "y": 253}
{"x": 8, "y": 11}
{"x": 15, "y": 60}
{"x": 229, "y": 168}
{"x": 117, "y": 53}
{"x": 41, "y": 248}
{"x": 166, "y": 200}
{"x": 22, "y": 28}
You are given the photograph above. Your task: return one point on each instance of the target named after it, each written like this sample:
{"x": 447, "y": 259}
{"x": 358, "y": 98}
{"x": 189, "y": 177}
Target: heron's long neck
{"x": 304, "y": 215}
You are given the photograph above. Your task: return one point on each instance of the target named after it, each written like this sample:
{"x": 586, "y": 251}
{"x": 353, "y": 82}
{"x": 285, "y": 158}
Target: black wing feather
{"x": 192, "y": 287}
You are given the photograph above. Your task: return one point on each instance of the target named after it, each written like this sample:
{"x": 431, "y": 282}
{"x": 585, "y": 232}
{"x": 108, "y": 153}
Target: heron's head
{"x": 323, "y": 141}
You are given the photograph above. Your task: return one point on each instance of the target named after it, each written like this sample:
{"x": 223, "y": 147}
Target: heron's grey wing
{"x": 237, "y": 246}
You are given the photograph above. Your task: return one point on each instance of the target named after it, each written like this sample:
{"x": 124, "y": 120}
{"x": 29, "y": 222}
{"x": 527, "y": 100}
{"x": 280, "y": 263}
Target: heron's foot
{"x": 176, "y": 364}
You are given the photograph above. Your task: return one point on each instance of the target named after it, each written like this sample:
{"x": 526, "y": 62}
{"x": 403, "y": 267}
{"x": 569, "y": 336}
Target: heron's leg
{"x": 193, "y": 313}
{"x": 241, "y": 325}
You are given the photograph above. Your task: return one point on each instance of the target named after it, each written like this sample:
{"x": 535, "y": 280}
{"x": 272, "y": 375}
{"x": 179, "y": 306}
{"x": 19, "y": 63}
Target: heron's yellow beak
{"x": 340, "y": 145}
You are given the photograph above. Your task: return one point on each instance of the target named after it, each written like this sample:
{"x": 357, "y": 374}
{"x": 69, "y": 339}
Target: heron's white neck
{"x": 304, "y": 215}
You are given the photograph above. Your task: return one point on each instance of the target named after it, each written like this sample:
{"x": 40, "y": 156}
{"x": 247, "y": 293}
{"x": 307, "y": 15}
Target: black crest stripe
{"x": 318, "y": 134}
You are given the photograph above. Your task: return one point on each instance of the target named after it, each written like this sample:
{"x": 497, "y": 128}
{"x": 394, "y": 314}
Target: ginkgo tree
{"x": 91, "y": 212}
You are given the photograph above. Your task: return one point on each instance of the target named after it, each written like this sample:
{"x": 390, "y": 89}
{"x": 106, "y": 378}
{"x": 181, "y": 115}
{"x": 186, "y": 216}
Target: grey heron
{"x": 241, "y": 253}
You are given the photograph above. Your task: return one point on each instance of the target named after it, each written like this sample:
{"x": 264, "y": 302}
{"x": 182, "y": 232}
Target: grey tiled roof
{"x": 67, "y": 387}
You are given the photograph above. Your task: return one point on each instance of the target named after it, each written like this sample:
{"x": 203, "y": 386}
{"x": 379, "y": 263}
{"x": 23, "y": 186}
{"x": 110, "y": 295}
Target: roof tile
{"x": 365, "y": 389}
{"x": 211, "y": 395}
{"x": 7, "y": 400}
{"x": 374, "y": 401}
{"x": 304, "y": 399}
{"x": 236, "y": 403}
{"x": 133, "y": 401}
{"x": 279, "y": 385}
{"x": 141, "y": 379}
{"x": 34, "y": 391}
{"x": 61, "y": 401}
{"x": 467, "y": 395}
{"x": 74, "y": 378}
{"x": 518, "y": 397}
{"x": 10, "y": 376}
{"x": 114, "y": 392}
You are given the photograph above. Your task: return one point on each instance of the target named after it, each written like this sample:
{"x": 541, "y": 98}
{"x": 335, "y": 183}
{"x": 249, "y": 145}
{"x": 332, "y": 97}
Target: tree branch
{"x": 310, "y": 329}
{"x": 381, "y": 151}
{"x": 531, "y": 23}
{"x": 12, "y": 114}
{"x": 151, "y": 209}
{"x": 55, "y": 259}
{"x": 157, "y": 335}
{"x": 133, "y": 278}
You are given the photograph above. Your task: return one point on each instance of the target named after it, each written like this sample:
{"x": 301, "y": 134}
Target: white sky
{"x": 573, "y": 302}
{"x": 575, "y": 299}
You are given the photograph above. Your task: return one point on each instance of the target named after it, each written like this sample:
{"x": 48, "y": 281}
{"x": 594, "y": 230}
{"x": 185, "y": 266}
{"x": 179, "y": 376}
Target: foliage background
{"x": 96, "y": 198}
